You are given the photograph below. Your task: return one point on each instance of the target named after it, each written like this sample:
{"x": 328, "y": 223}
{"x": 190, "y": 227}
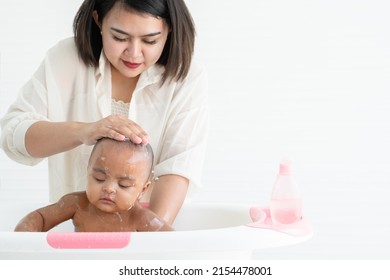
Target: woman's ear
{"x": 96, "y": 18}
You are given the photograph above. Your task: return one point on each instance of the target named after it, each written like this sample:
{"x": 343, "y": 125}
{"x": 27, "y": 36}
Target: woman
{"x": 127, "y": 73}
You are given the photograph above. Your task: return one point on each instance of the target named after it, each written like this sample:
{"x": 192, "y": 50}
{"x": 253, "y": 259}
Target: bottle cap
{"x": 285, "y": 167}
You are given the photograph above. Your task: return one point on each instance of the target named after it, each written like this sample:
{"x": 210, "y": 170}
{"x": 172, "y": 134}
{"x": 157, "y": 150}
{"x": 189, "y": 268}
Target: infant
{"x": 118, "y": 175}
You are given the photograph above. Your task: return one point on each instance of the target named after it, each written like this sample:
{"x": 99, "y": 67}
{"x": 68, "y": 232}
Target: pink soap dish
{"x": 261, "y": 218}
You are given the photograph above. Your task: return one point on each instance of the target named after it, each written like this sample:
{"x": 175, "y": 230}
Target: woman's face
{"x": 132, "y": 42}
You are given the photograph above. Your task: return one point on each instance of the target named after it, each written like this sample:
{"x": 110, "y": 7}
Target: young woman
{"x": 127, "y": 73}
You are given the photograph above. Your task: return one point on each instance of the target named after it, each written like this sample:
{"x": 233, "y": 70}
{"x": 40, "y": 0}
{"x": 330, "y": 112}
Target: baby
{"x": 118, "y": 175}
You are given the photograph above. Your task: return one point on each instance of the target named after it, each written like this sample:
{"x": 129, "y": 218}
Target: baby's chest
{"x": 91, "y": 223}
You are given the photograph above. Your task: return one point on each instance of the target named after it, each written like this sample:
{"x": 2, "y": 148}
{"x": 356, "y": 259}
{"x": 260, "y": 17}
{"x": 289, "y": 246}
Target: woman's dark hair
{"x": 178, "y": 50}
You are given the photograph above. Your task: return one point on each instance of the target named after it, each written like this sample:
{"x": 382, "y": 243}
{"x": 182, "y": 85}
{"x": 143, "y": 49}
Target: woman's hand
{"x": 45, "y": 139}
{"x": 116, "y": 127}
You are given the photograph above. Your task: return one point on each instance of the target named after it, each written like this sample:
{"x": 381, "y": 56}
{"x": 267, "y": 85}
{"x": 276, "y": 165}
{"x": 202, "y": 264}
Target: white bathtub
{"x": 203, "y": 231}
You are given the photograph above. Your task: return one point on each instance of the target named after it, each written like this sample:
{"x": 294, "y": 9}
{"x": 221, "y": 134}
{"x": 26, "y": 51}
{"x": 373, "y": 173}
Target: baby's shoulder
{"x": 75, "y": 198}
{"x": 138, "y": 211}
{"x": 147, "y": 220}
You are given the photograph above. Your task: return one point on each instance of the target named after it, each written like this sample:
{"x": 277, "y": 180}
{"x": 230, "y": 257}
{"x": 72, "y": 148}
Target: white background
{"x": 305, "y": 79}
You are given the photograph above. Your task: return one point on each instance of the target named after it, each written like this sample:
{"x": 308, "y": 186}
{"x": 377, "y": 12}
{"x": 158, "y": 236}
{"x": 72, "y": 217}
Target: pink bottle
{"x": 286, "y": 203}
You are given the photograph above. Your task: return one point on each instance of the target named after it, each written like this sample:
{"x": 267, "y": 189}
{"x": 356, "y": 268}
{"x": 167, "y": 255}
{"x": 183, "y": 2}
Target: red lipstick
{"x": 131, "y": 65}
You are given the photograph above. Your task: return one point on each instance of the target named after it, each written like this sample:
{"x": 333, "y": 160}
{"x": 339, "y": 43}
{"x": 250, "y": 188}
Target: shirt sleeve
{"x": 29, "y": 107}
{"x": 55, "y": 75}
{"x": 185, "y": 136}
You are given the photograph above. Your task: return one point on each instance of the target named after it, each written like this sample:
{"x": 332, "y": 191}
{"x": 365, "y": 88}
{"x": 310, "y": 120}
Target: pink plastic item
{"x": 285, "y": 167}
{"x": 88, "y": 240}
{"x": 261, "y": 218}
{"x": 145, "y": 204}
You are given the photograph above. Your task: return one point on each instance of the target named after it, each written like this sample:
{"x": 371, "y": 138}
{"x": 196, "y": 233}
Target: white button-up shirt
{"x": 175, "y": 115}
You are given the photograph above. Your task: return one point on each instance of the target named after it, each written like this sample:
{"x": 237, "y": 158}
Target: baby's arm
{"x": 45, "y": 218}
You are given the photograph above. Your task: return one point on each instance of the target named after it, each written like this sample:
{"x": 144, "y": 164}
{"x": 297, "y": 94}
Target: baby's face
{"x": 117, "y": 177}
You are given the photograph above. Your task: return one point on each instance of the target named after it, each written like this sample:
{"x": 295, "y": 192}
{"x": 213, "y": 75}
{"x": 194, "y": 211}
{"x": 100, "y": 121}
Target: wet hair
{"x": 139, "y": 148}
{"x": 179, "y": 47}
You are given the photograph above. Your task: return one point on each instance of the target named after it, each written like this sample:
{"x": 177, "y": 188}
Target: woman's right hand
{"x": 116, "y": 127}
{"x": 45, "y": 139}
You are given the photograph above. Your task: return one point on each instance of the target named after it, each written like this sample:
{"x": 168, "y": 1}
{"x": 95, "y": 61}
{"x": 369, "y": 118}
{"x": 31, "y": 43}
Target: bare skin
{"x": 88, "y": 218}
{"x": 118, "y": 175}
{"x": 168, "y": 195}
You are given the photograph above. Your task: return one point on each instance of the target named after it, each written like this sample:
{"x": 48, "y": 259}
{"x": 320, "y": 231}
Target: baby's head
{"x": 118, "y": 174}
